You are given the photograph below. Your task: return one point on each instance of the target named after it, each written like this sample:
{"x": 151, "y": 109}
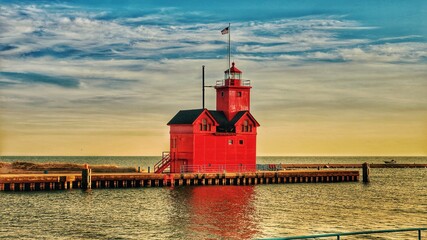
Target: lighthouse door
{"x": 183, "y": 165}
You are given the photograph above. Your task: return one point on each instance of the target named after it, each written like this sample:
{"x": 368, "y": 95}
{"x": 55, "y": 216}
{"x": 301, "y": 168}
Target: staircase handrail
{"x": 165, "y": 159}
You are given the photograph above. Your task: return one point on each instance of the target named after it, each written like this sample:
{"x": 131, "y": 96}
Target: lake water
{"x": 395, "y": 198}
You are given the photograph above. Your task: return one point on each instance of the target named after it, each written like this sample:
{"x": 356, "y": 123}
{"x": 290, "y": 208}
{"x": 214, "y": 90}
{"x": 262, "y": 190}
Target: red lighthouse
{"x": 203, "y": 140}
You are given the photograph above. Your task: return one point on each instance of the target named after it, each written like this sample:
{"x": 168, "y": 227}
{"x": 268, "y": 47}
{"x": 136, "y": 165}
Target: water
{"x": 395, "y": 198}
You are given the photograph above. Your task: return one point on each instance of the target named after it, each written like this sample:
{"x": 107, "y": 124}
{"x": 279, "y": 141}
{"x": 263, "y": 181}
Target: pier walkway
{"x": 62, "y": 181}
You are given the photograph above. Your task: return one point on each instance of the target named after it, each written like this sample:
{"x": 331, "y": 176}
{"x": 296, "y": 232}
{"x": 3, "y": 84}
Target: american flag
{"x": 224, "y": 31}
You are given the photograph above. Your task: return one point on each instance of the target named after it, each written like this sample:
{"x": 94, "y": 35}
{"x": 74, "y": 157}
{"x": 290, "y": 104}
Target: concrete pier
{"x": 36, "y": 182}
{"x": 273, "y": 167}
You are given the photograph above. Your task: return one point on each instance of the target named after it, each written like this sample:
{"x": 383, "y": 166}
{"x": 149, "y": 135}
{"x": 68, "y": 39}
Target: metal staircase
{"x": 163, "y": 164}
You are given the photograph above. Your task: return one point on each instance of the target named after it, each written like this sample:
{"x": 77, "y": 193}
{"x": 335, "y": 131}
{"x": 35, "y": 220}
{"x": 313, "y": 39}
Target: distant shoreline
{"x": 31, "y": 167}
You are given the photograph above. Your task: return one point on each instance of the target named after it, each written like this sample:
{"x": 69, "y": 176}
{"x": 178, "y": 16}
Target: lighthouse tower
{"x": 233, "y": 95}
{"x": 221, "y": 140}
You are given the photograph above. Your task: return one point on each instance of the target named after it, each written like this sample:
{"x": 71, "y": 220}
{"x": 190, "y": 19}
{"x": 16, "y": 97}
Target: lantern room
{"x": 233, "y": 73}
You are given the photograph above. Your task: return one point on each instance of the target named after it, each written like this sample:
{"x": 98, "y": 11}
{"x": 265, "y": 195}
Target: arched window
{"x": 245, "y": 126}
{"x": 204, "y": 126}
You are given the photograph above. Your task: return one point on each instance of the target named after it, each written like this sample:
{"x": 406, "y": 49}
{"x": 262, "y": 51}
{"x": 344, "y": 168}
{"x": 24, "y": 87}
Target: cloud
{"x": 76, "y": 34}
{"x": 389, "y": 52}
{"x": 13, "y": 77}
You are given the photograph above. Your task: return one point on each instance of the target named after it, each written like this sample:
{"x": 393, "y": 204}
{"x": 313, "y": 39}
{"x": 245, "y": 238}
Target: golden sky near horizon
{"x": 316, "y": 128}
{"x": 293, "y": 139}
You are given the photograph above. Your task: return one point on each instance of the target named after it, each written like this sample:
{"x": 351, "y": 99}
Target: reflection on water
{"x": 395, "y": 198}
{"x": 221, "y": 212}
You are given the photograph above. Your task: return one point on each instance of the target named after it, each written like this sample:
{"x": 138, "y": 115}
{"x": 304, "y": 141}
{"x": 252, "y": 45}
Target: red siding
{"x": 181, "y": 146}
{"x": 228, "y": 100}
{"x": 208, "y": 149}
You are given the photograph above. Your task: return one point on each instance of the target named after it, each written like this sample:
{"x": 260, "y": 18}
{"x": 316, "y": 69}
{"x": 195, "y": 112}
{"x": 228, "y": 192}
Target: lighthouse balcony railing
{"x": 246, "y": 83}
{"x": 220, "y": 83}
{"x": 218, "y": 168}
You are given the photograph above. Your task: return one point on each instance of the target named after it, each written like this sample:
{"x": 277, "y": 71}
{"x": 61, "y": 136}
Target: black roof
{"x": 186, "y": 116}
{"x": 224, "y": 124}
{"x": 237, "y": 117}
{"x": 189, "y": 116}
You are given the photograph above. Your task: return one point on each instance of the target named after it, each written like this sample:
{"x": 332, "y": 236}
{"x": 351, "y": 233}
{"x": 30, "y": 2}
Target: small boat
{"x": 390, "y": 162}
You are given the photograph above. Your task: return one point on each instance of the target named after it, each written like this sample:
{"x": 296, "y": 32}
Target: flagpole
{"x": 229, "y": 50}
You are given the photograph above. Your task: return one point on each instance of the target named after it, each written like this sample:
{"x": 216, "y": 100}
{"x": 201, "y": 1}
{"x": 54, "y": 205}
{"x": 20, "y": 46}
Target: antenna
{"x": 203, "y": 86}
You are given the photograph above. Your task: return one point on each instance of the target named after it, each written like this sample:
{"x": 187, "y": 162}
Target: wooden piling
{"x": 86, "y": 179}
{"x": 365, "y": 169}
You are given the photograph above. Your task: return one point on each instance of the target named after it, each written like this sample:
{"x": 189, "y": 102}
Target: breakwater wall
{"x": 272, "y": 167}
{"x": 34, "y": 182}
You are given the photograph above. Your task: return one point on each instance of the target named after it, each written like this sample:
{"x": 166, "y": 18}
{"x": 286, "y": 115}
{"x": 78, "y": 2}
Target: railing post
{"x": 338, "y": 237}
{"x": 419, "y": 234}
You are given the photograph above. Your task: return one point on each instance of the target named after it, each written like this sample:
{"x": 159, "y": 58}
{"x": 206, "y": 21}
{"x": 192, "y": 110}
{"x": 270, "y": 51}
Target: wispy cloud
{"x": 38, "y": 31}
{"x": 39, "y": 78}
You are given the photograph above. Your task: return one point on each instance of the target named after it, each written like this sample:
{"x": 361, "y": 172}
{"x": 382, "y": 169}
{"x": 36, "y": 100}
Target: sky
{"x": 329, "y": 78}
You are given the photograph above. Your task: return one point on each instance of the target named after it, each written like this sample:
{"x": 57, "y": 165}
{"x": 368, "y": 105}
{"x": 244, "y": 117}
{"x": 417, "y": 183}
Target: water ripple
{"x": 396, "y": 198}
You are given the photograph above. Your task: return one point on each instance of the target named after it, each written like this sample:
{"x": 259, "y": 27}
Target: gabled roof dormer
{"x": 205, "y": 123}
{"x": 244, "y": 122}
